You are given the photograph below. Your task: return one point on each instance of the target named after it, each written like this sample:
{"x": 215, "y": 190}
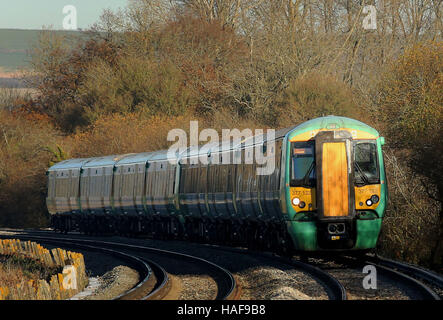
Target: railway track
{"x": 402, "y": 273}
{"x": 155, "y": 283}
{"x": 424, "y": 276}
{"x": 426, "y": 292}
{"x": 143, "y": 289}
{"x": 426, "y": 284}
{"x": 335, "y": 290}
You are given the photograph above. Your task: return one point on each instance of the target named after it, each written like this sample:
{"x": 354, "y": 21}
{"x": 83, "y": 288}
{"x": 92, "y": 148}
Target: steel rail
{"x": 227, "y": 285}
{"x": 337, "y": 290}
{"x": 412, "y": 270}
{"x": 401, "y": 271}
{"x": 149, "y": 272}
{"x": 426, "y": 292}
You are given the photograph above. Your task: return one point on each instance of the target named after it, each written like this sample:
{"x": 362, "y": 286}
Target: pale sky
{"x": 34, "y": 14}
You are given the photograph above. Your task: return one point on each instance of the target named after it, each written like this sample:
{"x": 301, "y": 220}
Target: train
{"x": 327, "y": 191}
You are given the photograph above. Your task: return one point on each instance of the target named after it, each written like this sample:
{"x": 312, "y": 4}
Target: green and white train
{"x": 327, "y": 191}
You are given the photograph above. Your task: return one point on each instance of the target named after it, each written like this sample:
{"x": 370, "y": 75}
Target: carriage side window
{"x": 366, "y": 164}
{"x": 303, "y": 164}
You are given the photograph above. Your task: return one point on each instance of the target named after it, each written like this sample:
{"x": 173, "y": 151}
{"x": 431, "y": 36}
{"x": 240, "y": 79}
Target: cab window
{"x": 303, "y": 164}
{"x": 366, "y": 164}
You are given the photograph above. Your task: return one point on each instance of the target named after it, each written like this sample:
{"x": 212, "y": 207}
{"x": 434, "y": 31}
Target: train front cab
{"x": 335, "y": 189}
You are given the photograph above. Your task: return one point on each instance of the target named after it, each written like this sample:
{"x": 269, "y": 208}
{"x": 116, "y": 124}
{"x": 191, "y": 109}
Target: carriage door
{"x": 334, "y": 175}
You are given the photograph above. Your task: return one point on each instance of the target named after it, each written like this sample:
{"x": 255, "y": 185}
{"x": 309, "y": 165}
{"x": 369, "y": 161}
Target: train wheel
{"x": 286, "y": 248}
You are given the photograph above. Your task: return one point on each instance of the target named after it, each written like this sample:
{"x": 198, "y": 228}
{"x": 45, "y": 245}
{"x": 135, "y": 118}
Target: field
{"x": 10, "y": 94}
{"x": 15, "y": 48}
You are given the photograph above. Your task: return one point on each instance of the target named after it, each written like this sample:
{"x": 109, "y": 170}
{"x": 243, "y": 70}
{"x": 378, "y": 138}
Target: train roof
{"x": 149, "y": 156}
{"x": 105, "y": 161}
{"x": 163, "y": 155}
{"x": 136, "y": 158}
{"x": 327, "y": 122}
{"x": 69, "y": 164}
{"x": 229, "y": 145}
{"x": 333, "y": 122}
{"x": 262, "y": 138}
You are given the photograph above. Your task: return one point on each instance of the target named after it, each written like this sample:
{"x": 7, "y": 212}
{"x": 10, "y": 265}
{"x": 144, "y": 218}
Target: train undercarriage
{"x": 255, "y": 235}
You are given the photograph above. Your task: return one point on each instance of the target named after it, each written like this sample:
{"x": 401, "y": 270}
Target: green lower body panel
{"x": 303, "y": 234}
{"x": 367, "y": 233}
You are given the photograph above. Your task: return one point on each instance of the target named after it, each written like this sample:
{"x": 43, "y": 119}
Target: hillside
{"x": 15, "y": 46}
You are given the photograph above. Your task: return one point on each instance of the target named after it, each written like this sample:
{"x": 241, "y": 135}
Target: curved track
{"x": 335, "y": 289}
{"x": 420, "y": 280}
{"x": 144, "y": 288}
{"x": 433, "y": 279}
{"x": 402, "y": 272}
{"x": 412, "y": 270}
{"x": 338, "y": 291}
{"x": 155, "y": 283}
{"x": 397, "y": 271}
{"x": 227, "y": 285}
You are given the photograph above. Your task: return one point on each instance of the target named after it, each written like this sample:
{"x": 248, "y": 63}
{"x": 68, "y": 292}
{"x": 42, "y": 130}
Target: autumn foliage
{"x": 156, "y": 65}
{"x": 28, "y": 144}
{"x": 411, "y": 104}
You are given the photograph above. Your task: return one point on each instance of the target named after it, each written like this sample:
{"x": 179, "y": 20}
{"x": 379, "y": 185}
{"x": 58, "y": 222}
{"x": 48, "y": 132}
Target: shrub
{"x": 24, "y": 159}
{"x": 59, "y": 68}
{"x": 411, "y": 104}
{"x": 128, "y": 133}
{"x": 410, "y": 227}
{"x": 134, "y": 84}
{"x": 315, "y": 95}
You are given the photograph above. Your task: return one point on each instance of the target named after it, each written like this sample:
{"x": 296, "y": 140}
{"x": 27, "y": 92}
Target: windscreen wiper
{"x": 306, "y": 177}
{"x": 362, "y": 174}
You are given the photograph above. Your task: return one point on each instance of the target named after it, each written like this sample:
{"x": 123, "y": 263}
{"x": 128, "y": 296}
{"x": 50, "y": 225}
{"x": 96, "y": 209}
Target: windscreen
{"x": 303, "y": 164}
{"x": 366, "y": 164}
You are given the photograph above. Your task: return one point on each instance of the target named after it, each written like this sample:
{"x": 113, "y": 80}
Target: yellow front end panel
{"x": 335, "y": 180}
{"x": 307, "y": 195}
{"x": 364, "y": 193}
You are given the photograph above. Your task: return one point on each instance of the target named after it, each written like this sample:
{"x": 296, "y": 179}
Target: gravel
{"x": 352, "y": 279}
{"x": 259, "y": 277}
{"x": 93, "y": 285}
{"x": 109, "y": 276}
{"x": 268, "y": 283}
{"x": 196, "y": 287}
{"x": 115, "y": 282}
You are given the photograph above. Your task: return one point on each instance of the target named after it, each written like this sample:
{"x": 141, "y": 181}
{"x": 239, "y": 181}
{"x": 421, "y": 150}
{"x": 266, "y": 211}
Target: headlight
{"x": 332, "y": 228}
{"x": 375, "y": 198}
{"x": 302, "y": 204}
{"x": 369, "y": 202}
{"x": 296, "y": 201}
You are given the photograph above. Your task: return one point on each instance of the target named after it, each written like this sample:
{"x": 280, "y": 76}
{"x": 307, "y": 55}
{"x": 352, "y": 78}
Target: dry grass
{"x": 15, "y": 270}
{"x": 7, "y": 74}
{"x": 12, "y": 275}
{"x": 30, "y": 272}
{"x": 14, "y": 97}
